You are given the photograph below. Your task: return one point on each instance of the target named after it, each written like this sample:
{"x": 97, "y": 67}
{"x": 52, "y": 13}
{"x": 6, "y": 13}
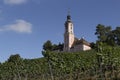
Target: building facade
{"x": 71, "y": 43}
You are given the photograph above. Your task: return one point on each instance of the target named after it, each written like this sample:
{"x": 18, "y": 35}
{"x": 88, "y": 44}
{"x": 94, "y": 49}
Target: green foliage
{"x": 22, "y": 69}
{"x": 106, "y": 35}
{"x": 47, "y": 45}
{"x": 103, "y": 63}
{"x": 117, "y": 35}
{"x": 14, "y": 58}
{"x": 52, "y": 47}
{"x": 102, "y": 32}
{"x": 87, "y": 65}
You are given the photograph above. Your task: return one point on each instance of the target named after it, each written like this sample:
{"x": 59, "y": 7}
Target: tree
{"x": 106, "y": 35}
{"x": 102, "y": 32}
{"x": 117, "y": 35}
{"x": 14, "y": 58}
{"x": 111, "y": 38}
{"x": 52, "y": 47}
{"x": 58, "y": 47}
{"x": 48, "y": 46}
{"x": 92, "y": 45}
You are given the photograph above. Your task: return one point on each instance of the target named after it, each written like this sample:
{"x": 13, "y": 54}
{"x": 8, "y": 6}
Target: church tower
{"x": 69, "y": 34}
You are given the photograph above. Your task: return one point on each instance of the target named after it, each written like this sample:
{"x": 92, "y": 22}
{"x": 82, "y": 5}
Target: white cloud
{"x": 14, "y": 1}
{"x": 20, "y": 26}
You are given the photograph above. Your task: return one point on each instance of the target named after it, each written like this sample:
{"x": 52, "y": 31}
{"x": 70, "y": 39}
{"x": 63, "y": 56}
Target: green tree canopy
{"x": 117, "y": 35}
{"x": 106, "y": 35}
{"x": 102, "y": 32}
{"x": 47, "y": 45}
{"x": 14, "y": 58}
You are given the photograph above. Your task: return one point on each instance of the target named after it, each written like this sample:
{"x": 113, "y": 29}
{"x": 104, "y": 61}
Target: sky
{"x": 26, "y": 24}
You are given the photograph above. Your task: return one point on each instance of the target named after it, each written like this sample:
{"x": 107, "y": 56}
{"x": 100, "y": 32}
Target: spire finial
{"x": 68, "y": 16}
{"x": 68, "y": 11}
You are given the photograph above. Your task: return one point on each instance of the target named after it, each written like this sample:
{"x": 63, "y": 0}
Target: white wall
{"x": 85, "y": 47}
{"x": 81, "y": 47}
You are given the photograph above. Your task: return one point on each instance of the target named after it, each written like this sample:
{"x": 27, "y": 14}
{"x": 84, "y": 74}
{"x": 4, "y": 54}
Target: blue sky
{"x": 26, "y": 24}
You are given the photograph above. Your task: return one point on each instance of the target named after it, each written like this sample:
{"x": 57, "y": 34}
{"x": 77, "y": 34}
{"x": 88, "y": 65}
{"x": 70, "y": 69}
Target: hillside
{"x": 89, "y": 65}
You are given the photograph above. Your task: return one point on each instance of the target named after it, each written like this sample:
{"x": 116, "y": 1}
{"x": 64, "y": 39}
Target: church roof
{"x": 81, "y": 41}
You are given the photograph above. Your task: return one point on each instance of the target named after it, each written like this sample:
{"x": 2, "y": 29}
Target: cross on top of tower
{"x": 69, "y": 11}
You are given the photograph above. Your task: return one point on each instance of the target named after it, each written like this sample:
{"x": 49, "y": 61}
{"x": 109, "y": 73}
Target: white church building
{"x": 71, "y": 43}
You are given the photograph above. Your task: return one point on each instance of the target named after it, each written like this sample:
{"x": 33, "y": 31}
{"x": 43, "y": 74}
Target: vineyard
{"x": 100, "y": 64}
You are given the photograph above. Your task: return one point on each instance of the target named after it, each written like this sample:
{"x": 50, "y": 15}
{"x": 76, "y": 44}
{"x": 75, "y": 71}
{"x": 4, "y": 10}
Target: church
{"x": 71, "y": 43}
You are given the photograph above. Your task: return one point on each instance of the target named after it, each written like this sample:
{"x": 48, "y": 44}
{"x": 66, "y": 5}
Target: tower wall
{"x": 68, "y": 35}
